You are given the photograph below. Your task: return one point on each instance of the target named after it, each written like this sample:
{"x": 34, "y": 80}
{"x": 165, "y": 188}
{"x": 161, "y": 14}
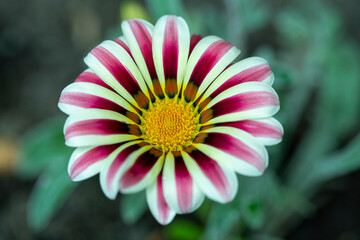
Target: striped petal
{"x": 194, "y": 40}
{"x": 252, "y": 100}
{"x": 170, "y": 46}
{"x": 115, "y": 165}
{"x": 138, "y": 34}
{"x": 181, "y": 192}
{"x": 208, "y": 59}
{"x": 157, "y": 204}
{"x": 122, "y": 42}
{"x": 269, "y": 131}
{"x": 234, "y": 147}
{"x": 112, "y": 63}
{"x": 85, "y": 95}
{"x": 90, "y": 77}
{"x": 85, "y": 162}
{"x": 141, "y": 171}
{"x": 92, "y": 127}
{"x": 253, "y": 69}
{"x": 217, "y": 181}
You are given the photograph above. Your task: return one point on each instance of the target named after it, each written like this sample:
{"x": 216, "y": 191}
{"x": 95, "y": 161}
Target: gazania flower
{"x": 162, "y": 111}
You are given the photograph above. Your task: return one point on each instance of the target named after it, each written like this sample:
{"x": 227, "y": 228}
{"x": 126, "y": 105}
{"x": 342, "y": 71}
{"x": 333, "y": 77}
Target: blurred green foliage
{"x": 133, "y": 207}
{"x": 317, "y": 77}
{"x": 45, "y": 156}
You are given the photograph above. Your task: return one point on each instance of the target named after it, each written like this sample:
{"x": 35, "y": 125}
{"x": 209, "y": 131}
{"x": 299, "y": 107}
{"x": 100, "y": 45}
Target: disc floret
{"x": 169, "y": 125}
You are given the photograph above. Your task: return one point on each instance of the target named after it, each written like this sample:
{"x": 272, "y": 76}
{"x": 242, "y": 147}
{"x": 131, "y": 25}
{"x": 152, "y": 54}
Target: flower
{"x": 171, "y": 113}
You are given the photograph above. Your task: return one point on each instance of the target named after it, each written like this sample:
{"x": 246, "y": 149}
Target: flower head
{"x": 171, "y": 113}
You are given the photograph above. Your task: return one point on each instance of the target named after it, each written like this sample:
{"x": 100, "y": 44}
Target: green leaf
{"x": 42, "y": 145}
{"x": 340, "y": 163}
{"x": 183, "y": 230}
{"x": 341, "y": 107}
{"x": 51, "y": 190}
{"x": 253, "y": 212}
{"x": 132, "y": 207}
{"x": 256, "y": 196}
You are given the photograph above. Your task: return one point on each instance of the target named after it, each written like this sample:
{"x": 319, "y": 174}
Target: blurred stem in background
{"x": 316, "y": 73}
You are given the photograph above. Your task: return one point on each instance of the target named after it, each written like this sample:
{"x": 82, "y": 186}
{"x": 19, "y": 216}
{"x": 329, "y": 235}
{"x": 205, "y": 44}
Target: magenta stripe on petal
{"x": 208, "y": 60}
{"x": 243, "y": 102}
{"x": 257, "y": 129}
{"x": 235, "y": 147}
{"x": 86, "y": 100}
{"x": 123, "y": 45}
{"x": 118, "y": 162}
{"x": 162, "y": 206}
{"x": 91, "y": 77}
{"x": 193, "y": 41}
{"x": 138, "y": 171}
{"x": 184, "y": 185}
{"x": 91, "y": 157}
{"x": 213, "y": 172}
{"x": 144, "y": 41}
{"x": 170, "y": 48}
{"x": 96, "y": 127}
{"x": 117, "y": 69}
{"x": 257, "y": 73}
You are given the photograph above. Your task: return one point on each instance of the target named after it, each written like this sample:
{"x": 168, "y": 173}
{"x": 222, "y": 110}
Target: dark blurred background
{"x": 311, "y": 189}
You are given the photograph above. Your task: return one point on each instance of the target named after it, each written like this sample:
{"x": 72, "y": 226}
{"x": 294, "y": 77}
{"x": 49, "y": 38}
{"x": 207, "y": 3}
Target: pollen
{"x": 170, "y": 125}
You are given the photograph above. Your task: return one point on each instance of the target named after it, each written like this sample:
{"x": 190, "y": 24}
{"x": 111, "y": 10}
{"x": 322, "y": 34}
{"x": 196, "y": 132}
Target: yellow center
{"x": 169, "y": 125}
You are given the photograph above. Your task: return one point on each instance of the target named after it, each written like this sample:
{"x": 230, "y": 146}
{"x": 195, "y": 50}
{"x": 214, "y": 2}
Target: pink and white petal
{"x": 181, "y": 192}
{"x": 194, "y": 40}
{"x": 253, "y": 69}
{"x": 112, "y": 63}
{"x": 208, "y": 59}
{"x": 92, "y": 127}
{"x": 268, "y": 131}
{"x": 90, "y": 77}
{"x": 85, "y": 95}
{"x": 122, "y": 42}
{"x": 138, "y": 34}
{"x": 156, "y": 201}
{"x": 114, "y": 167}
{"x": 170, "y": 46}
{"x": 215, "y": 179}
{"x": 251, "y": 100}
{"x": 85, "y": 162}
{"x": 238, "y": 149}
{"x": 140, "y": 171}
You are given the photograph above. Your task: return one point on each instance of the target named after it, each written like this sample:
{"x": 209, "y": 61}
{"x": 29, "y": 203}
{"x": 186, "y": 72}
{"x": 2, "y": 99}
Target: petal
{"x": 114, "y": 166}
{"x": 141, "y": 171}
{"x": 90, "y": 77}
{"x": 170, "y": 46}
{"x": 112, "y": 63}
{"x": 122, "y": 42}
{"x": 194, "y": 41}
{"x": 215, "y": 179}
{"x": 85, "y": 162}
{"x": 181, "y": 193}
{"x": 208, "y": 59}
{"x": 138, "y": 34}
{"x": 253, "y": 69}
{"x": 92, "y": 127}
{"x": 157, "y": 204}
{"x": 84, "y": 95}
{"x": 269, "y": 131}
{"x": 250, "y": 100}
{"x": 234, "y": 147}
